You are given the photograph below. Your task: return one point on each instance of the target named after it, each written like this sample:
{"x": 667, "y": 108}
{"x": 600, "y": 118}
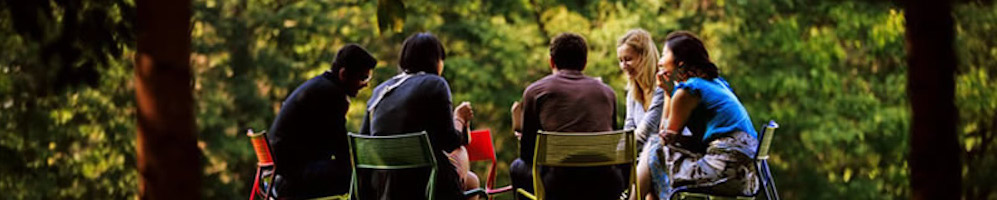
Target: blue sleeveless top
{"x": 719, "y": 111}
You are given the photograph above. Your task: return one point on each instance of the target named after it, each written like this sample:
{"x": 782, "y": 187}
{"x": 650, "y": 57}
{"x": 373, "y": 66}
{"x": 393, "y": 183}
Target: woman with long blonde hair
{"x": 638, "y": 58}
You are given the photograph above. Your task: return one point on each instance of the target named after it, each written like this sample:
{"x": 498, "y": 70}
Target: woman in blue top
{"x": 717, "y": 156}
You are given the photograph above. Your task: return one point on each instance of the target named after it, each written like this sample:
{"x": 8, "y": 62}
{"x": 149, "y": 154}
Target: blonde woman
{"x": 638, "y": 57}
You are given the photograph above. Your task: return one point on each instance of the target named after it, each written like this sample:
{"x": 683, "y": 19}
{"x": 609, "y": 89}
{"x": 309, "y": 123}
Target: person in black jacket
{"x": 419, "y": 99}
{"x": 309, "y": 137}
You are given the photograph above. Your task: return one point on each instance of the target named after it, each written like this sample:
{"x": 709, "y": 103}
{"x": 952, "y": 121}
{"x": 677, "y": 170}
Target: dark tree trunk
{"x": 168, "y": 158}
{"x": 935, "y": 164}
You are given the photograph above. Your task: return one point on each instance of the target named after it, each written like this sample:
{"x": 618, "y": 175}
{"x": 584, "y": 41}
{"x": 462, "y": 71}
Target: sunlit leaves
{"x": 390, "y": 15}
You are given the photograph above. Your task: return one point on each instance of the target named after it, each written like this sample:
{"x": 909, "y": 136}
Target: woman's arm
{"x": 463, "y": 115}
{"x": 681, "y": 108}
{"x": 440, "y": 116}
{"x": 652, "y": 118}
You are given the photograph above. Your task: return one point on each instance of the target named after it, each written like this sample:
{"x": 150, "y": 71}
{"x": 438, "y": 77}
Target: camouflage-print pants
{"x": 725, "y": 169}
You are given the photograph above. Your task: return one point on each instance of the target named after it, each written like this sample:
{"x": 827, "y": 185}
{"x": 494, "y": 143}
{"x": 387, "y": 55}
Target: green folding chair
{"x": 559, "y": 149}
{"x": 395, "y": 152}
{"x": 406, "y": 151}
{"x": 761, "y": 165}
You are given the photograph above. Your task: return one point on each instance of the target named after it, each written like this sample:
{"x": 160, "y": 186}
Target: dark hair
{"x": 689, "y": 50}
{"x": 569, "y": 51}
{"x": 353, "y": 58}
{"x": 421, "y": 52}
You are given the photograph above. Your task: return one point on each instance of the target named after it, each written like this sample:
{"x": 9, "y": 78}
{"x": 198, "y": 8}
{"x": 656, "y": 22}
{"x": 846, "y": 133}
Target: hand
{"x": 517, "y": 116}
{"x": 463, "y": 112}
{"x": 667, "y": 136}
{"x": 661, "y": 78}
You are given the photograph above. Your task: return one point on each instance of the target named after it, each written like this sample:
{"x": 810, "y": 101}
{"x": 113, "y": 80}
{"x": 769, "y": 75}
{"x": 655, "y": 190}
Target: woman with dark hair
{"x": 716, "y": 154}
{"x": 418, "y": 99}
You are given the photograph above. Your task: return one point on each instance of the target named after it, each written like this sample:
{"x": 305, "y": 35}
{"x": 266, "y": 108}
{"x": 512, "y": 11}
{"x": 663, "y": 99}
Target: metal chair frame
{"x": 540, "y": 158}
{"x": 761, "y": 165}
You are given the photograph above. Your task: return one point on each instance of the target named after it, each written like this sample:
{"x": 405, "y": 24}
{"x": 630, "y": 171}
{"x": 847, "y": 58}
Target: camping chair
{"x": 265, "y": 168}
{"x": 761, "y": 165}
{"x": 557, "y": 149}
{"x": 394, "y": 152}
{"x": 481, "y": 148}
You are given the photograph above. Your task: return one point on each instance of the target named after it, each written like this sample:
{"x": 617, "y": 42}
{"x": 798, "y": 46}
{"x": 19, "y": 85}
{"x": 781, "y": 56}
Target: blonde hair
{"x": 642, "y": 84}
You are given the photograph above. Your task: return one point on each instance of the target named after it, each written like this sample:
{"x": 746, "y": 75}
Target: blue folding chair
{"x": 761, "y": 165}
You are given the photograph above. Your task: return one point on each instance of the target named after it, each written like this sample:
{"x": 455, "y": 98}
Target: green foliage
{"x": 66, "y": 106}
{"x": 833, "y": 74}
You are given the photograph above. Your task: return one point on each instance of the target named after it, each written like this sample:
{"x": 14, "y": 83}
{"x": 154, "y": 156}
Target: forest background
{"x": 832, "y": 73}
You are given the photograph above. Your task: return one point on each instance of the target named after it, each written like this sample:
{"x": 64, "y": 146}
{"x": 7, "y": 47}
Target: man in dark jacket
{"x": 309, "y": 138}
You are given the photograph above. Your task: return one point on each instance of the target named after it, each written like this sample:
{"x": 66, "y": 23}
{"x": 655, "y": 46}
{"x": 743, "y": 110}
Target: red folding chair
{"x": 262, "y": 181}
{"x": 481, "y": 148}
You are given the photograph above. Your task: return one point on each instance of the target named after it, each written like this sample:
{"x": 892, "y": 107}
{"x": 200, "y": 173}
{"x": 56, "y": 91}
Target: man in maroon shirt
{"x": 567, "y": 101}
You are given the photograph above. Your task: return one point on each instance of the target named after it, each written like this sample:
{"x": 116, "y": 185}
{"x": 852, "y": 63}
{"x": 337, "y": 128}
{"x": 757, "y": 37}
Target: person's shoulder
{"x": 691, "y": 83}
{"x": 597, "y": 82}
{"x": 539, "y": 84}
{"x": 429, "y": 82}
{"x": 431, "y": 79}
{"x": 608, "y": 91}
{"x": 311, "y": 88}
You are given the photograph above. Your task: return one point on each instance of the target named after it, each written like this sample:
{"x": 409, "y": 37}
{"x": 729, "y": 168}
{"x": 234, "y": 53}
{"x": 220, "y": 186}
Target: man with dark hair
{"x": 309, "y": 140}
{"x": 569, "y": 51}
{"x": 567, "y": 101}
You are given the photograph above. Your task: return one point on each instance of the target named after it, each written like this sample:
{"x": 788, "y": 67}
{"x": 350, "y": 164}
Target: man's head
{"x": 568, "y": 51}
{"x": 352, "y": 67}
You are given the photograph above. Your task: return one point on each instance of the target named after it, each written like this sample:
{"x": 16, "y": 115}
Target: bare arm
{"x": 681, "y": 108}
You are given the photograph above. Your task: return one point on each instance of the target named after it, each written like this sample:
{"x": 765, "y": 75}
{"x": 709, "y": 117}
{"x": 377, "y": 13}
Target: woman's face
{"x": 666, "y": 66}
{"x": 628, "y": 60}
{"x": 439, "y": 67}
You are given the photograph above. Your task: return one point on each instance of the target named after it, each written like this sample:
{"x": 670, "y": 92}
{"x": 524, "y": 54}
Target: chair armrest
{"x": 499, "y": 190}
{"x": 475, "y": 192}
{"x": 525, "y": 193}
{"x": 334, "y": 197}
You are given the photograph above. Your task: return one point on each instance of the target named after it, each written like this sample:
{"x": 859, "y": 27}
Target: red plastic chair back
{"x": 264, "y": 161}
{"x": 261, "y": 147}
{"x": 481, "y": 147}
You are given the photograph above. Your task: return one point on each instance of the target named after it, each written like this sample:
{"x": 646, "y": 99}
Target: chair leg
{"x": 768, "y": 183}
{"x": 256, "y": 185}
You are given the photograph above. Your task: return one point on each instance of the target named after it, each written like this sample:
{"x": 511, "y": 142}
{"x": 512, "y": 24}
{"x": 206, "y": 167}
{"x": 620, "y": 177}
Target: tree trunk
{"x": 934, "y": 161}
{"x": 168, "y": 158}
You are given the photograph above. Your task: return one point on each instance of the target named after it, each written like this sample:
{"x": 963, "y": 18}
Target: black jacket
{"x": 309, "y": 140}
{"x": 421, "y": 103}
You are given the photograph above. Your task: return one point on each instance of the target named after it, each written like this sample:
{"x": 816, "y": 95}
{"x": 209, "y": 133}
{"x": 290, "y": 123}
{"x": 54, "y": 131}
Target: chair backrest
{"x": 766, "y": 137}
{"x": 583, "y": 149}
{"x": 481, "y": 146}
{"x": 261, "y": 146}
{"x": 404, "y": 151}
{"x": 561, "y": 149}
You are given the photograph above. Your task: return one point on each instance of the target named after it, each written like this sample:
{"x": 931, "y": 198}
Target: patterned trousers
{"x": 726, "y": 168}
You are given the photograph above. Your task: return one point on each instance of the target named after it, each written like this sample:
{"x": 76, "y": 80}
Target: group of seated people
{"x": 690, "y": 127}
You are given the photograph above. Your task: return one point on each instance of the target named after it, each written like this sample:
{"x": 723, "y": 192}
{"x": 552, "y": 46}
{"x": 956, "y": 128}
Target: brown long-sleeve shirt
{"x": 566, "y": 101}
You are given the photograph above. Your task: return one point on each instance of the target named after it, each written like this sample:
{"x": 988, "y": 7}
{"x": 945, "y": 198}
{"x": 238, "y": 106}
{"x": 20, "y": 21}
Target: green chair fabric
{"x": 761, "y": 165}
{"x": 562, "y": 149}
{"x": 404, "y": 151}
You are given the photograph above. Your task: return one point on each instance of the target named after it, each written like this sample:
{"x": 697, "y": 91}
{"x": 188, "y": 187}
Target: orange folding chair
{"x": 265, "y": 168}
{"x": 481, "y": 148}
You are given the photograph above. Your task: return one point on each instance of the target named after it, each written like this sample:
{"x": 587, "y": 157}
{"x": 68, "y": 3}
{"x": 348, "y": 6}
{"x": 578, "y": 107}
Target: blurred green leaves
{"x": 833, "y": 73}
{"x": 390, "y": 15}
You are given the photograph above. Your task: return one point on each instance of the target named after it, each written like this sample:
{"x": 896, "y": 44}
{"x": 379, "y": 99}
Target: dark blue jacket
{"x": 420, "y": 103}
{"x": 309, "y": 140}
